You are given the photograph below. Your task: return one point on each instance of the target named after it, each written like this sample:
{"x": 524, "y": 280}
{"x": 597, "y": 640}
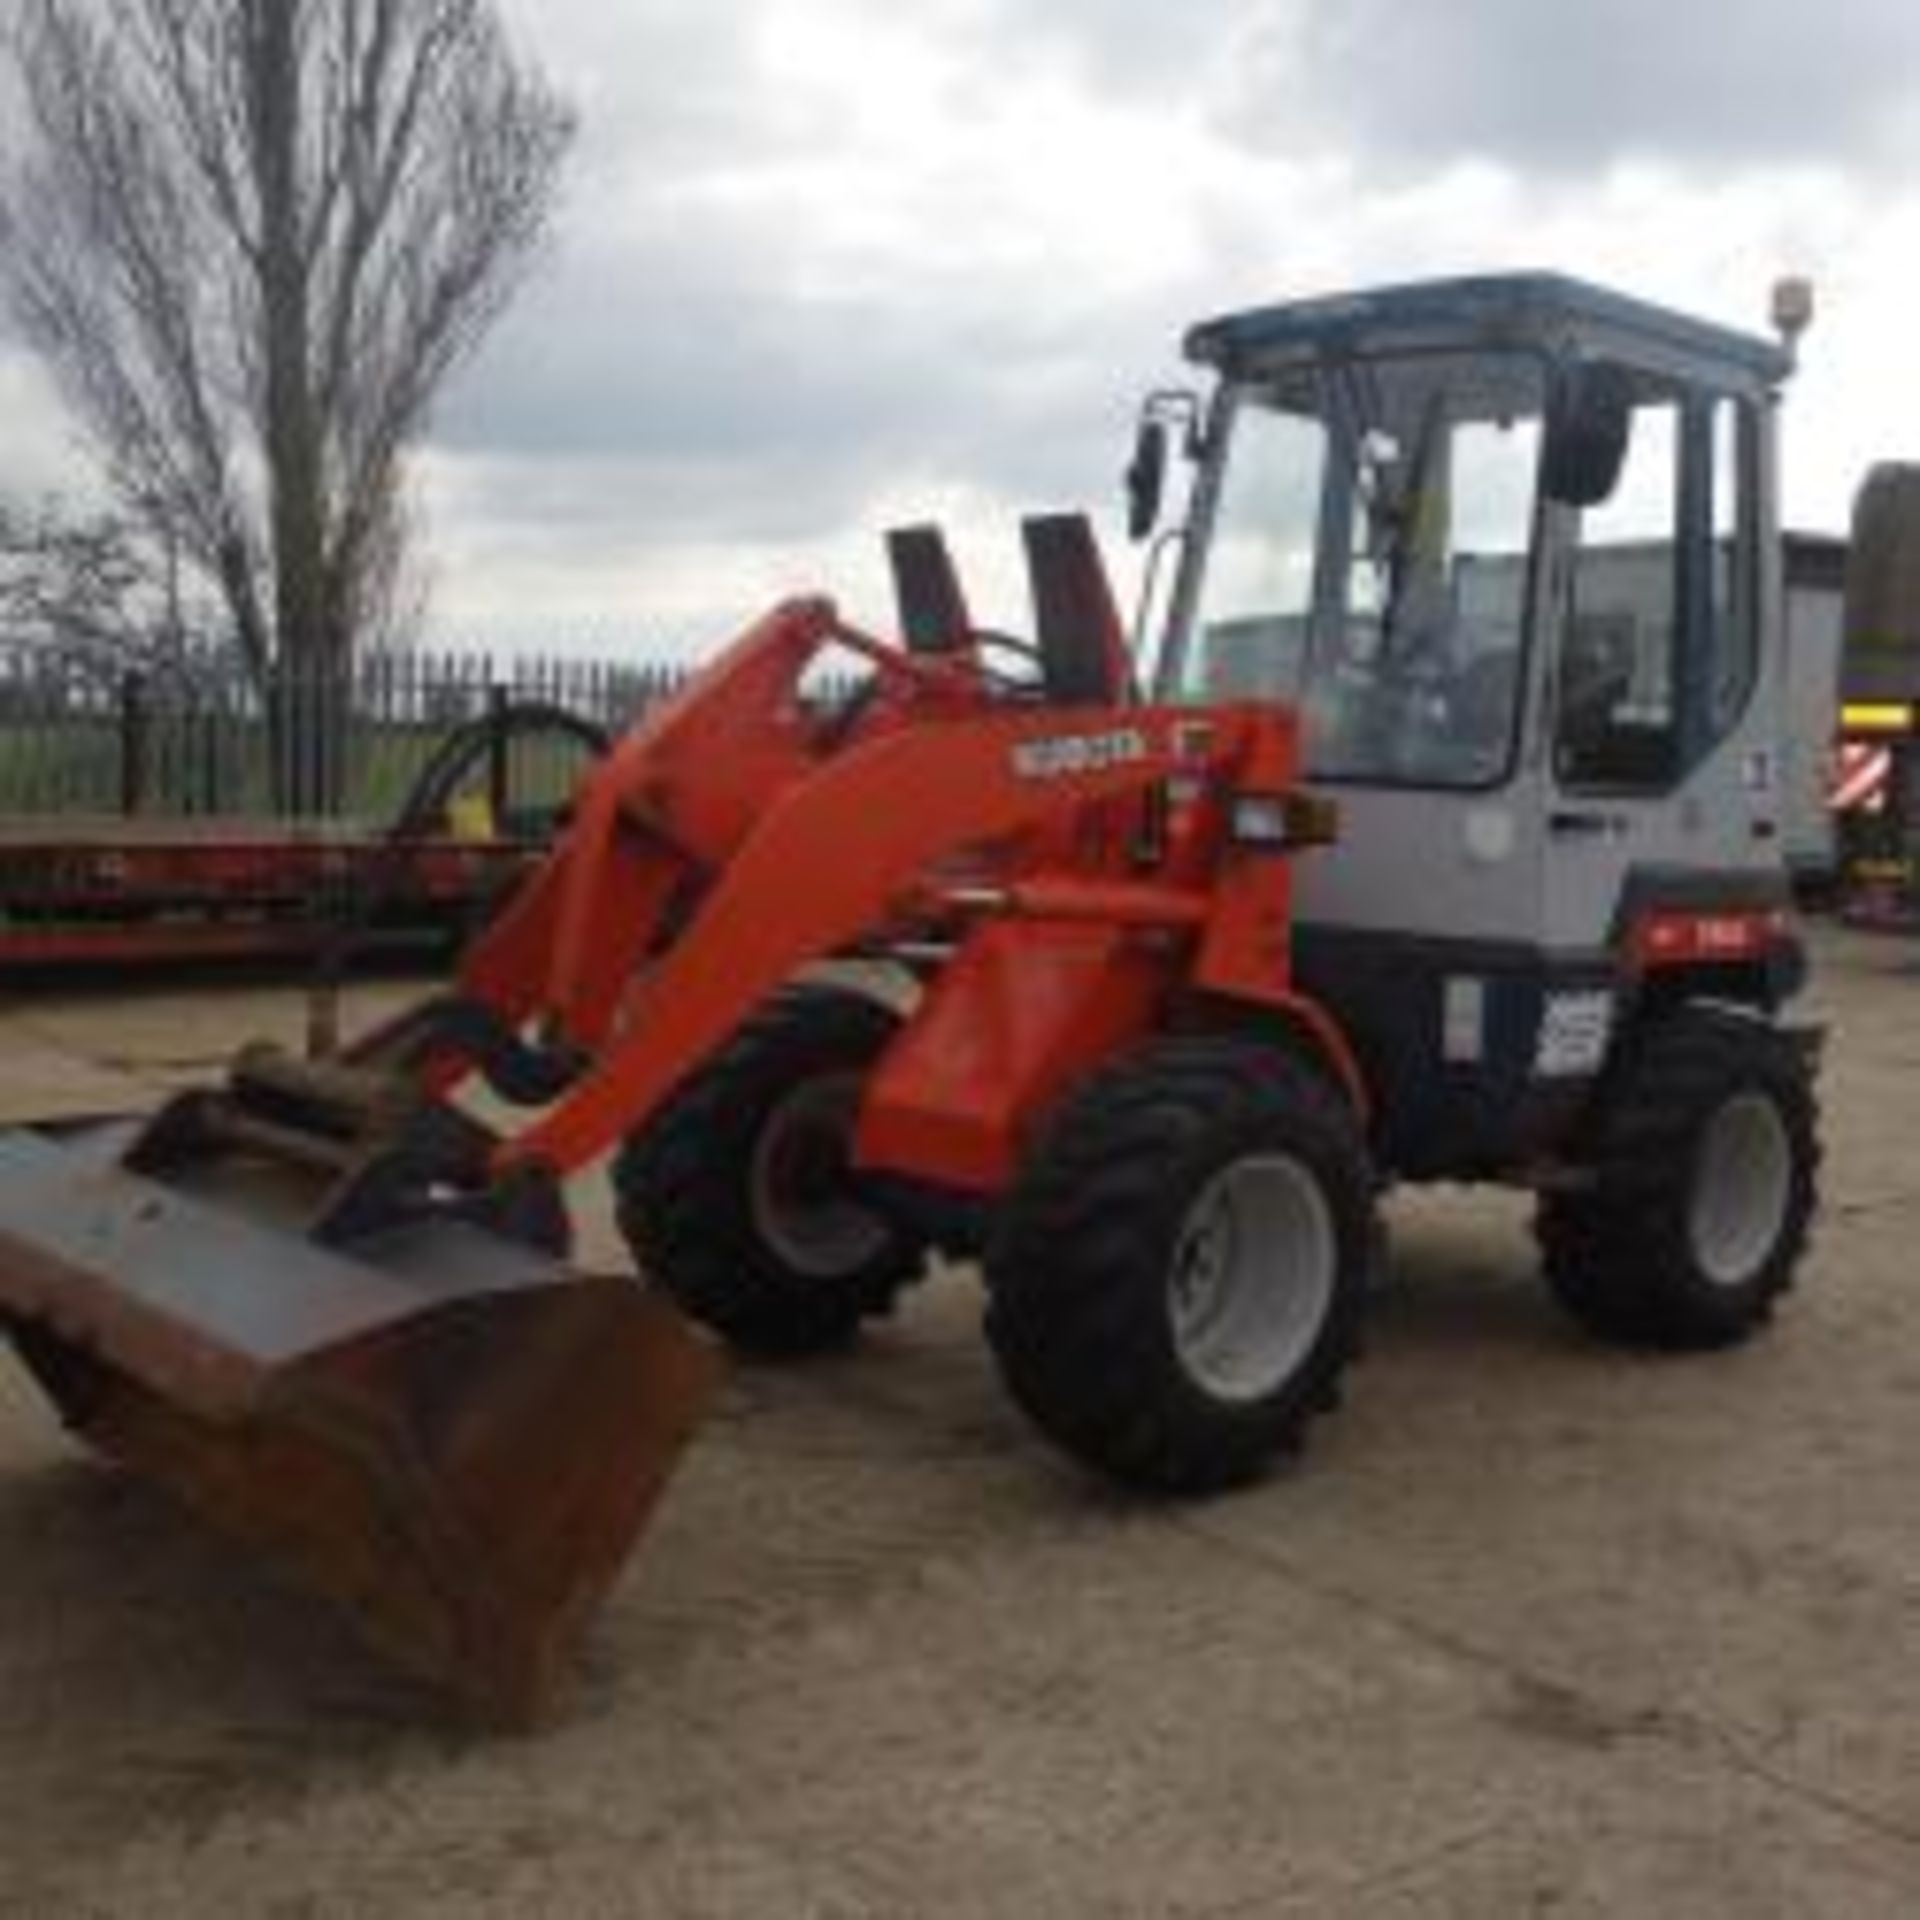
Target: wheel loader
{"x": 1432, "y": 832}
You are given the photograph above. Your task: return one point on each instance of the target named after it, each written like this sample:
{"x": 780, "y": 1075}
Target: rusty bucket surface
{"x": 457, "y": 1437}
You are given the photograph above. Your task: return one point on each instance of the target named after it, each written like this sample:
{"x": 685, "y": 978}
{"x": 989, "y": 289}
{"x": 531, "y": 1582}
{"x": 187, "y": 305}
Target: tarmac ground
{"x": 1533, "y": 1627}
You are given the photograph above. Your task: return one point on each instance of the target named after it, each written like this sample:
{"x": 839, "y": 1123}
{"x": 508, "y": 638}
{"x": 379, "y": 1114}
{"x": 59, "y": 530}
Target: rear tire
{"x": 1705, "y": 1154}
{"x": 737, "y": 1198}
{"x": 1176, "y": 1282}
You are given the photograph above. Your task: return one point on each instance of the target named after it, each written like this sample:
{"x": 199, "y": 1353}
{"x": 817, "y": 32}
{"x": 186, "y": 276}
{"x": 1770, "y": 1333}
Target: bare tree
{"x": 91, "y": 594}
{"x": 251, "y": 237}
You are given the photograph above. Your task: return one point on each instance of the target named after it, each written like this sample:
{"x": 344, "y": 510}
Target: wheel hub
{"x": 1253, "y": 1276}
{"x": 1743, "y": 1188}
{"x": 803, "y": 1204}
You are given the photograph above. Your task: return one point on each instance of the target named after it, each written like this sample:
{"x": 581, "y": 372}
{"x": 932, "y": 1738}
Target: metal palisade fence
{"x": 201, "y": 737}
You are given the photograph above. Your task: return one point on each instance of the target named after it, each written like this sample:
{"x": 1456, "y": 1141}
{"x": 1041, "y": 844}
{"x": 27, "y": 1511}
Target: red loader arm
{"x": 836, "y": 855}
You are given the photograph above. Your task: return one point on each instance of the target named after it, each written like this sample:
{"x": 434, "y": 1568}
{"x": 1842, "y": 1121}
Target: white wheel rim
{"x": 1742, "y": 1189}
{"x": 795, "y": 1184}
{"x": 1253, "y": 1276}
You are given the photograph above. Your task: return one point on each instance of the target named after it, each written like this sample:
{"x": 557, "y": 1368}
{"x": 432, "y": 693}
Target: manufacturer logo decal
{"x": 1067, "y": 754}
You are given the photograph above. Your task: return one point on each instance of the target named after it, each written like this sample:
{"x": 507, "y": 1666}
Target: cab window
{"x": 1659, "y": 634}
{"x": 1617, "y": 718}
{"x": 1371, "y": 563}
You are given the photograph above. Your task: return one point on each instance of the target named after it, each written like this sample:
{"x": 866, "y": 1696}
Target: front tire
{"x": 1705, "y": 1157}
{"x": 1176, "y": 1282}
{"x": 737, "y": 1198}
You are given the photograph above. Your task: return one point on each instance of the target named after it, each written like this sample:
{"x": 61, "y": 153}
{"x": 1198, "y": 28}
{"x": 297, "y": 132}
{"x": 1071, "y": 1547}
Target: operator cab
{"x": 1507, "y": 545}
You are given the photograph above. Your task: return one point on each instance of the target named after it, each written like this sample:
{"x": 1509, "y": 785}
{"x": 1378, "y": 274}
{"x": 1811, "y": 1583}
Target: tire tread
{"x": 680, "y": 1183}
{"x": 1617, "y": 1256}
{"x": 1076, "y": 1311}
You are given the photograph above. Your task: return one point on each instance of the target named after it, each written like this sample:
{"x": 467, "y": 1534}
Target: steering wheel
{"x": 1021, "y": 686}
{"x": 891, "y": 664}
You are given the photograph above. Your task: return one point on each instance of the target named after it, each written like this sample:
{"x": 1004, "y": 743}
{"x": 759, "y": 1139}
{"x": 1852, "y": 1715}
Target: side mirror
{"x": 1589, "y": 425}
{"x": 1146, "y": 477}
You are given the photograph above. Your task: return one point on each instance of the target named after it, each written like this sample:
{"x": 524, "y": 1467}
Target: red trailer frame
{"x": 117, "y": 892}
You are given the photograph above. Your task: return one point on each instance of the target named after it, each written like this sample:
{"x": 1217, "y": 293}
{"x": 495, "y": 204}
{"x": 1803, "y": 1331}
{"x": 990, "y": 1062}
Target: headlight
{"x": 1276, "y": 820}
{"x": 1260, "y": 820}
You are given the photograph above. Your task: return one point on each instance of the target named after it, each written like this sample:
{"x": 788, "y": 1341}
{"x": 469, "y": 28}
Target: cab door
{"x": 1663, "y": 776}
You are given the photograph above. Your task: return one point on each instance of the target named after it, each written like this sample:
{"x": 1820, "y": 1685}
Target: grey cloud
{"x": 1565, "y": 86}
{"x": 678, "y": 375}
{"x": 667, "y": 89}
{"x": 706, "y": 370}
{"x": 787, "y": 424}
{"x": 679, "y": 344}
{"x": 1571, "y": 88}
{"x": 1152, "y": 48}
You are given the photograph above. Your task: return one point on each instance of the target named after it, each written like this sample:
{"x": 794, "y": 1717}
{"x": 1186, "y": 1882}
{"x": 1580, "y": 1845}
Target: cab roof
{"x": 1546, "y": 310}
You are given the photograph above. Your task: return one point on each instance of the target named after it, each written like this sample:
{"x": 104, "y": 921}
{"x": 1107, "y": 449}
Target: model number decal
{"x": 1574, "y": 1031}
{"x": 1067, "y": 754}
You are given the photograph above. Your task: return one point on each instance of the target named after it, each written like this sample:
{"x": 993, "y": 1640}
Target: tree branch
{"x": 252, "y": 238}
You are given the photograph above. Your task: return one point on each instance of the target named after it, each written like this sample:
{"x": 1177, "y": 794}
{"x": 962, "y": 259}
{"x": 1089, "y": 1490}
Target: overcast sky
{"x": 828, "y": 264}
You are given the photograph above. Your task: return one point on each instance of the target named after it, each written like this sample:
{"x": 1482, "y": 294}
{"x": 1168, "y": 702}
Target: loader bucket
{"x": 456, "y": 1437}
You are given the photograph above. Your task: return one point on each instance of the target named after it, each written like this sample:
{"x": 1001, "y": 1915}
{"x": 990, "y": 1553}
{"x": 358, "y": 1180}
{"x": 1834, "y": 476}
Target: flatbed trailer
{"x": 1879, "y": 745}
{"x": 107, "y": 890}
{"x": 1879, "y": 774}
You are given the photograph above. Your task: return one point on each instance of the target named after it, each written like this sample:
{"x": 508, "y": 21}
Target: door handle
{"x": 1569, "y": 821}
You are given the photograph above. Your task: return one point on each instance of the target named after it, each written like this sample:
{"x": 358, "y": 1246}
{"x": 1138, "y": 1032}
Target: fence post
{"x": 135, "y": 741}
{"x": 499, "y": 770}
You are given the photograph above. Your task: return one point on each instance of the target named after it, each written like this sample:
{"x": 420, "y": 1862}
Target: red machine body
{"x": 1067, "y": 888}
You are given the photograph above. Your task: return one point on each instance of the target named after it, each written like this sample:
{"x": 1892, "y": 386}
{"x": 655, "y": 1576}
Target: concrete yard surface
{"x": 1532, "y": 1627}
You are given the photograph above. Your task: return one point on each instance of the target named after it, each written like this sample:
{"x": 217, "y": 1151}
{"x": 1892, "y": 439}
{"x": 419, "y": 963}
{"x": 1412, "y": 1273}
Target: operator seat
{"x": 1083, "y": 648}
{"x": 926, "y": 589}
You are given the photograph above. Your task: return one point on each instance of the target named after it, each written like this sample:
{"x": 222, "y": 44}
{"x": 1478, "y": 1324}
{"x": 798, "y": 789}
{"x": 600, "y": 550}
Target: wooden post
{"x": 135, "y": 741}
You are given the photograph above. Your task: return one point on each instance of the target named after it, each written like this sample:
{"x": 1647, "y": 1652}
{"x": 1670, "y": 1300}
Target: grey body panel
{"x": 1476, "y": 944}
{"x": 1814, "y": 624}
{"x": 1441, "y": 865}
